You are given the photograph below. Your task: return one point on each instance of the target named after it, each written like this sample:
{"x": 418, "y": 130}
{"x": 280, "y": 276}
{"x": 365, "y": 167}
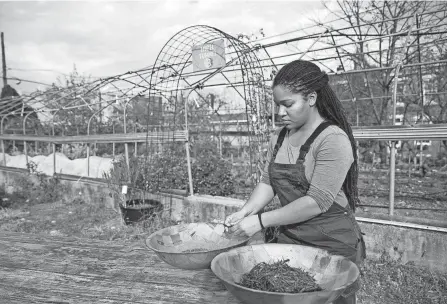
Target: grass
{"x": 75, "y": 218}
{"x": 389, "y": 282}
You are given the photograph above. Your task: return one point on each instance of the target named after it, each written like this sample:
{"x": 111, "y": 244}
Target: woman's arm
{"x": 260, "y": 197}
{"x": 333, "y": 159}
{"x": 263, "y": 193}
{"x": 298, "y": 211}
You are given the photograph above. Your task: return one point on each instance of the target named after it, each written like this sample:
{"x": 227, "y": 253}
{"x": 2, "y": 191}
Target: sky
{"x": 45, "y": 39}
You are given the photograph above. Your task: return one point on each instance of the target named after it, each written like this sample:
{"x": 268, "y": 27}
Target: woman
{"x": 312, "y": 167}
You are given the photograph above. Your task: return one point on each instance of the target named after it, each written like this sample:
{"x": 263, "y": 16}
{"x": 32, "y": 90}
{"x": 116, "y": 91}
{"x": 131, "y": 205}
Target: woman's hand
{"x": 246, "y": 227}
{"x": 235, "y": 218}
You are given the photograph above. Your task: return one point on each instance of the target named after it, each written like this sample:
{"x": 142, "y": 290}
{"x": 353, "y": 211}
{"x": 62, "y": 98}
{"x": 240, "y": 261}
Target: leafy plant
{"x": 38, "y": 188}
{"x": 123, "y": 175}
{"x": 211, "y": 174}
{"x": 168, "y": 170}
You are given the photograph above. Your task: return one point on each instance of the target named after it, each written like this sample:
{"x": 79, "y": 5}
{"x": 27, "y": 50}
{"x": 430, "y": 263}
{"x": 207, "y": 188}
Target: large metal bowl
{"x": 332, "y": 273}
{"x": 192, "y": 246}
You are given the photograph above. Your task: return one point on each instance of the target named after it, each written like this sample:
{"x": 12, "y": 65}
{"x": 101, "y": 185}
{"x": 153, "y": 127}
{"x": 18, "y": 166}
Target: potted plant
{"x": 127, "y": 186}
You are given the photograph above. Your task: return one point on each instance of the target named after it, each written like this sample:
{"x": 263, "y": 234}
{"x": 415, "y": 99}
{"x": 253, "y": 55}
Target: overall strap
{"x": 278, "y": 145}
{"x": 306, "y": 147}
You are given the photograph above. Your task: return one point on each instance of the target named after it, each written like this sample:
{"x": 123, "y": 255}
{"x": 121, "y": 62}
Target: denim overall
{"x": 335, "y": 230}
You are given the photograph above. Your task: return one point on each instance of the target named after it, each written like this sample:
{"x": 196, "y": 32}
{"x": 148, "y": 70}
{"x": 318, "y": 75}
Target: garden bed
{"x": 383, "y": 281}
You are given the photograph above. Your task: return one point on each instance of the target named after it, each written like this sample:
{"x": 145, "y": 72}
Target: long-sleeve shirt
{"x": 326, "y": 164}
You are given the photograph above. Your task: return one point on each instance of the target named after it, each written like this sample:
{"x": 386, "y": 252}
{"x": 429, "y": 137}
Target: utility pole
{"x": 5, "y": 82}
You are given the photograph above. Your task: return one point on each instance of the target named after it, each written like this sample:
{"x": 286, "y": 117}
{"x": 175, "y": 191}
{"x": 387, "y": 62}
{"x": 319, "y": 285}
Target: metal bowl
{"x": 192, "y": 246}
{"x": 332, "y": 273}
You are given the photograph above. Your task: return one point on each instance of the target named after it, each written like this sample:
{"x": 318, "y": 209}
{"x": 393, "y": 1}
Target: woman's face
{"x": 293, "y": 108}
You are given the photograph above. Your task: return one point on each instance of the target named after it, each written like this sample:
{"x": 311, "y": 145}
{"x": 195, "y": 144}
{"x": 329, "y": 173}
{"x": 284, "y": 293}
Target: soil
{"x": 415, "y": 196}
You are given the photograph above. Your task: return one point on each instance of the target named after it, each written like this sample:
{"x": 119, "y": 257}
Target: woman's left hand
{"x": 246, "y": 227}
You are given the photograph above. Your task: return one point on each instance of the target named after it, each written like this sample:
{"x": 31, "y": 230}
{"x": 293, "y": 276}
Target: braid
{"x": 330, "y": 107}
{"x": 305, "y": 77}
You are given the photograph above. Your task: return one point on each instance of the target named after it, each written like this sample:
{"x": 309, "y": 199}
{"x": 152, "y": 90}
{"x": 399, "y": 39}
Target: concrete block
{"x": 205, "y": 208}
{"x": 421, "y": 247}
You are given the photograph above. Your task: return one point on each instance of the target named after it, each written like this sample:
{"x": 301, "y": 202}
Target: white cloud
{"x": 107, "y": 38}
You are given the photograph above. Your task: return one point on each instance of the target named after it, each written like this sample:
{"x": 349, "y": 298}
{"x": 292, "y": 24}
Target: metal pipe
{"x": 188, "y": 158}
{"x": 393, "y": 143}
{"x": 113, "y": 143}
{"x": 54, "y": 144}
{"x": 136, "y": 144}
{"x": 3, "y": 118}
{"x": 3, "y": 143}
{"x": 126, "y": 145}
{"x": 421, "y": 84}
{"x": 24, "y": 133}
{"x": 88, "y": 133}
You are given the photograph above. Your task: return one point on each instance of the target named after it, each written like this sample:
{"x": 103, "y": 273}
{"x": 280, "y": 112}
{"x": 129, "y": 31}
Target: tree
{"x": 73, "y": 103}
{"x": 377, "y": 31}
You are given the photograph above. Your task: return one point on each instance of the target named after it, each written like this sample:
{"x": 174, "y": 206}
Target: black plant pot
{"x": 138, "y": 210}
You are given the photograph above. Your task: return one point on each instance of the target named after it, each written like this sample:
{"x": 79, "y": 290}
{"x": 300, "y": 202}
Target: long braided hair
{"x": 305, "y": 77}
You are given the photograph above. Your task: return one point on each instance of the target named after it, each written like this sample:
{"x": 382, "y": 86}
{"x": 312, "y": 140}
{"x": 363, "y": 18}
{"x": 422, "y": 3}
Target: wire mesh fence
{"x": 388, "y": 70}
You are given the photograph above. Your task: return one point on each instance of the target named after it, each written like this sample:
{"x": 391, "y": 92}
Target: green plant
{"x": 36, "y": 187}
{"x": 167, "y": 170}
{"x": 128, "y": 177}
{"x": 211, "y": 174}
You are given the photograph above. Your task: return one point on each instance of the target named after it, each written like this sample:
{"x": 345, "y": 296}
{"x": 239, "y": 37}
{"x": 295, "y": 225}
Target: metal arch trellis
{"x": 172, "y": 75}
{"x": 172, "y": 72}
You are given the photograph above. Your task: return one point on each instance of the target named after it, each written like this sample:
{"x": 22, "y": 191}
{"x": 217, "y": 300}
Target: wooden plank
{"x": 67, "y": 240}
{"x": 70, "y": 286}
{"x": 134, "y": 268}
{"x": 118, "y": 263}
{"x": 44, "y": 269}
{"x": 180, "y": 135}
{"x": 23, "y": 295}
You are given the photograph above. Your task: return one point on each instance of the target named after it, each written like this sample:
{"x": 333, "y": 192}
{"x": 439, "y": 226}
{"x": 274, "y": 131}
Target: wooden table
{"x": 47, "y": 269}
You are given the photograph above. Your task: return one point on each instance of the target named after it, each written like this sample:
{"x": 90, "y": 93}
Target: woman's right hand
{"x": 235, "y": 218}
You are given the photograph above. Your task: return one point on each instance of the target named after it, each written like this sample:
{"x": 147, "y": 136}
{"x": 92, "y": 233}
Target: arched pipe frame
{"x": 88, "y": 133}
{"x": 1, "y": 131}
{"x": 182, "y": 65}
{"x": 56, "y": 112}
{"x": 177, "y": 53}
{"x": 24, "y": 133}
